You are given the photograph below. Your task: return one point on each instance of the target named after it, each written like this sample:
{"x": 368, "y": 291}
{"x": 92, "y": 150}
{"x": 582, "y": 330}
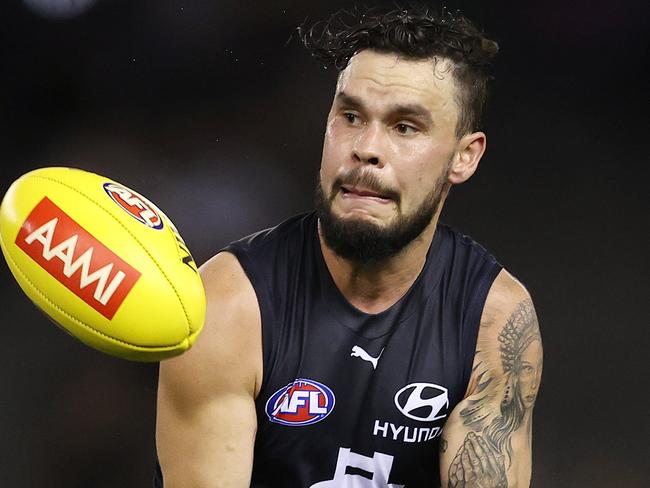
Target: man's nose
{"x": 368, "y": 146}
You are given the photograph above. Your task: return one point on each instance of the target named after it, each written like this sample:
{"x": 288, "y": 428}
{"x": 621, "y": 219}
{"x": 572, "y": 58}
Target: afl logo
{"x": 303, "y": 402}
{"x": 135, "y": 205}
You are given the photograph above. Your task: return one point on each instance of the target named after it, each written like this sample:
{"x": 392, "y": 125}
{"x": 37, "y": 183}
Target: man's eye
{"x": 351, "y": 118}
{"x": 405, "y": 129}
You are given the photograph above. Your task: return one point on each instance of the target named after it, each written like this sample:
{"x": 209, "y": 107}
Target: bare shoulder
{"x": 226, "y": 285}
{"x": 227, "y": 355}
{"x": 508, "y": 312}
{"x": 233, "y": 314}
{"x": 508, "y": 346}
{"x": 506, "y": 296}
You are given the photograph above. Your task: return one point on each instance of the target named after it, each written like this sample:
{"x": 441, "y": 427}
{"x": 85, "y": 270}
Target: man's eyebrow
{"x": 413, "y": 110}
{"x": 348, "y": 100}
{"x": 400, "y": 109}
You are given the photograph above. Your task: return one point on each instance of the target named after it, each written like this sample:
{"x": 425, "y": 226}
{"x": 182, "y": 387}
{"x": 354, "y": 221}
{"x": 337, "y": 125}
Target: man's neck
{"x": 375, "y": 287}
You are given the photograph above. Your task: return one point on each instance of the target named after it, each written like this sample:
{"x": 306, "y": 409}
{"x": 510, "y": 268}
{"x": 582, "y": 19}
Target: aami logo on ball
{"x": 76, "y": 258}
{"x": 303, "y": 402}
{"x": 135, "y": 205}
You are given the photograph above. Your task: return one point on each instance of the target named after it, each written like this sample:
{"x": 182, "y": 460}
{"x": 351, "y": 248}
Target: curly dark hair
{"x": 414, "y": 32}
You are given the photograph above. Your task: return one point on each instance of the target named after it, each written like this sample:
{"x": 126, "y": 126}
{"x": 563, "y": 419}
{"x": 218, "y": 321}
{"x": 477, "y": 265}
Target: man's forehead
{"x": 384, "y": 73}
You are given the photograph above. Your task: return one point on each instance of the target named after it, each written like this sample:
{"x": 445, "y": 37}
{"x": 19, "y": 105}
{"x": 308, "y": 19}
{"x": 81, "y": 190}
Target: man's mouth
{"x": 353, "y": 191}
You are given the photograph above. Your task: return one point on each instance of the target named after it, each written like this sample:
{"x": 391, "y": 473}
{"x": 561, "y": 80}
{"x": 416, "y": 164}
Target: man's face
{"x": 389, "y": 142}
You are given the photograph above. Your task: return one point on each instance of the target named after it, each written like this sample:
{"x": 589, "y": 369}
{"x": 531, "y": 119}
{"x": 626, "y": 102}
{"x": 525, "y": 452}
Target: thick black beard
{"x": 365, "y": 242}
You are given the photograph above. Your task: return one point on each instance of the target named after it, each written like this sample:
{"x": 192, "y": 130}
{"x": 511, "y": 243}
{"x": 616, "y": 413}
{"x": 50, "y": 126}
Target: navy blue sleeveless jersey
{"x": 350, "y": 399}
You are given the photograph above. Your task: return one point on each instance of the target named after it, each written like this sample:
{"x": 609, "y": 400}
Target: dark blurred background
{"x": 204, "y": 108}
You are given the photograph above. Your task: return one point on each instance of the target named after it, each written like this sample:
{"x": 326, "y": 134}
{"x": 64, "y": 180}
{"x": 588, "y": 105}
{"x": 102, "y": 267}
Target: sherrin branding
{"x": 81, "y": 247}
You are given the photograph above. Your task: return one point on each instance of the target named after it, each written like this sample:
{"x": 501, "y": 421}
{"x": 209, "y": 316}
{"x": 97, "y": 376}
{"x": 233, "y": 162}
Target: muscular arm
{"x": 487, "y": 439}
{"x": 206, "y": 419}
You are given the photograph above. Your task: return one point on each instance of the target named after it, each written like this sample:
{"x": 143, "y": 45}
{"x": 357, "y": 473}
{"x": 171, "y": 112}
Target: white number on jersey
{"x": 378, "y": 466}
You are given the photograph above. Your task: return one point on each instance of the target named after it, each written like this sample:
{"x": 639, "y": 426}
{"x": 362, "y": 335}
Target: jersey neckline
{"x": 376, "y": 325}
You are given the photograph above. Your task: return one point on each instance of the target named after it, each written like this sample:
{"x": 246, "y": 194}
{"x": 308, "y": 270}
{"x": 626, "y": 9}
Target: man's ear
{"x": 470, "y": 149}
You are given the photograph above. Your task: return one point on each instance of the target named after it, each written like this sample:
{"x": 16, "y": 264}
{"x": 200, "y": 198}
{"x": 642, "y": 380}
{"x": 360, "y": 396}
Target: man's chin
{"x": 358, "y": 221}
{"x": 359, "y": 238}
{"x": 363, "y": 216}
{"x": 363, "y": 224}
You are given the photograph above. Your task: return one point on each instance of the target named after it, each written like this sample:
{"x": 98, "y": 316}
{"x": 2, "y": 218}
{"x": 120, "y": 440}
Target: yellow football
{"x": 103, "y": 262}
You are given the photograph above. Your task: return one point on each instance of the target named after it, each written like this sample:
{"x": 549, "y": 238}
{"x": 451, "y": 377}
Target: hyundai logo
{"x": 422, "y": 401}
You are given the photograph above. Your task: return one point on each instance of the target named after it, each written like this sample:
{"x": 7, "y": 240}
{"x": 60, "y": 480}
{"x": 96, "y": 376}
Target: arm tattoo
{"x": 479, "y": 463}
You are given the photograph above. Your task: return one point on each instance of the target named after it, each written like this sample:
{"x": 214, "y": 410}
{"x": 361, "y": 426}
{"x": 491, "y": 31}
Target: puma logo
{"x": 358, "y": 352}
